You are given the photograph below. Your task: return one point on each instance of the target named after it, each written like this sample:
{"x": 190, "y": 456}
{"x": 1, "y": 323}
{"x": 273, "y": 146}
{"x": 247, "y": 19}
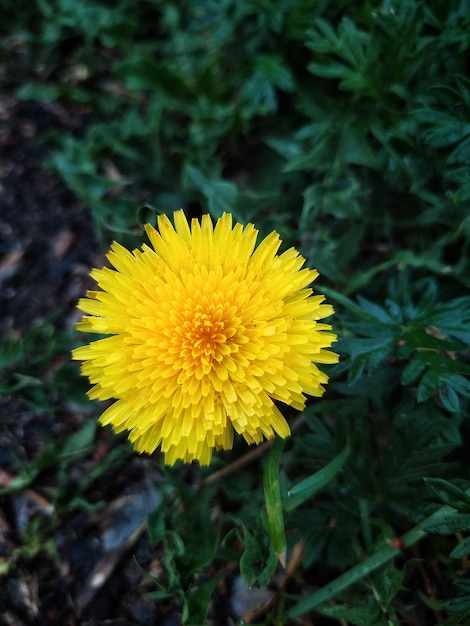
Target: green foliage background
{"x": 344, "y": 126}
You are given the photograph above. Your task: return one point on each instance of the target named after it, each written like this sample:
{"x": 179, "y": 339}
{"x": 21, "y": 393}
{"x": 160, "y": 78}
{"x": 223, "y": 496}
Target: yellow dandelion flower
{"x": 206, "y": 332}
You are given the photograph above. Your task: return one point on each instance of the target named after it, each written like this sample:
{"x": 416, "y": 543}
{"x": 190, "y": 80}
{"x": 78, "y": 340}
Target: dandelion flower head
{"x": 206, "y": 331}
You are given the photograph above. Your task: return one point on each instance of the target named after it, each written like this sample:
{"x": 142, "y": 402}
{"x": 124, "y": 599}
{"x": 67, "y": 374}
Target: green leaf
{"x": 387, "y": 582}
{"x": 361, "y": 614}
{"x": 258, "y": 561}
{"x": 328, "y": 35}
{"x": 78, "y": 443}
{"x": 330, "y": 70}
{"x": 463, "y": 194}
{"x": 412, "y": 371}
{"x": 427, "y": 386}
{"x": 449, "y": 399}
{"x": 221, "y": 195}
{"x": 450, "y": 319}
{"x": 376, "y": 312}
{"x": 11, "y": 350}
{"x": 463, "y": 584}
{"x": 461, "y": 154}
{"x": 40, "y": 93}
{"x": 308, "y": 487}
{"x": 142, "y": 73}
{"x": 448, "y": 493}
{"x": 450, "y": 524}
{"x": 463, "y": 549}
{"x": 447, "y": 133}
{"x": 199, "y": 601}
{"x": 276, "y": 71}
{"x": 460, "y": 603}
{"x": 369, "y": 352}
{"x": 457, "y": 619}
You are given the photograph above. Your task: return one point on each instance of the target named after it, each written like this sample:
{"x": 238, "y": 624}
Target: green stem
{"x": 272, "y": 497}
{"x": 359, "y": 571}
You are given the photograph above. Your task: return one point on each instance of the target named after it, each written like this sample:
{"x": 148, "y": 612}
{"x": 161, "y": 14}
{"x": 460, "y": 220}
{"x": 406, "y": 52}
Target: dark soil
{"x": 46, "y": 239}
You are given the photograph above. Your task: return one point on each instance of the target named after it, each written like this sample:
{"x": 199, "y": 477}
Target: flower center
{"x": 209, "y": 333}
{"x": 205, "y": 331}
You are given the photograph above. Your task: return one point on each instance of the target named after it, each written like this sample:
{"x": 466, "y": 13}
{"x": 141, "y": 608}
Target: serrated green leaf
{"x": 463, "y": 549}
{"x": 258, "y": 561}
{"x": 463, "y": 584}
{"x": 461, "y": 154}
{"x": 412, "y": 371}
{"x": 460, "y": 603}
{"x": 447, "y": 134}
{"x": 420, "y": 338}
{"x": 448, "y": 493}
{"x": 360, "y": 614}
{"x": 449, "y": 399}
{"x": 372, "y": 351}
{"x": 221, "y": 195}
{"x": 451, "y": 319}
{"x": 258, "y": 96}
{"x": 328, "y": 34}
{"x": 376, "y": 312}
{"x": 143, "y": 73}
{"x": 331, "y": 70}
{"x": 454, "y": 620}
{"x": 199, "y": 601}
{"x": 431, "y": 116}
{"x": 463, "y": 194}
{"x": 427, "y": 386}
{"x": 275, "y": 70}
{"x": 449, "y": 524}
{"x": 285, "y": 146}
{"x": 459, "y": 175}
{"x": 387, "y": 582}
{"x": 351, "y": 39}
{"x": 455, "y": 380}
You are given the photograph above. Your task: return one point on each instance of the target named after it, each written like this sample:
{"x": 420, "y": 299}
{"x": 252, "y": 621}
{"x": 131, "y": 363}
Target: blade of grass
{"x": 374, "y": 561}
{"x": 313, "y": 484}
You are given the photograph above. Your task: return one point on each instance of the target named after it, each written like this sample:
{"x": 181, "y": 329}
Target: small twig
{"x": 249, "y": 457}
{"x": 42, "y": 503}
{"x": 104, "y": 569}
